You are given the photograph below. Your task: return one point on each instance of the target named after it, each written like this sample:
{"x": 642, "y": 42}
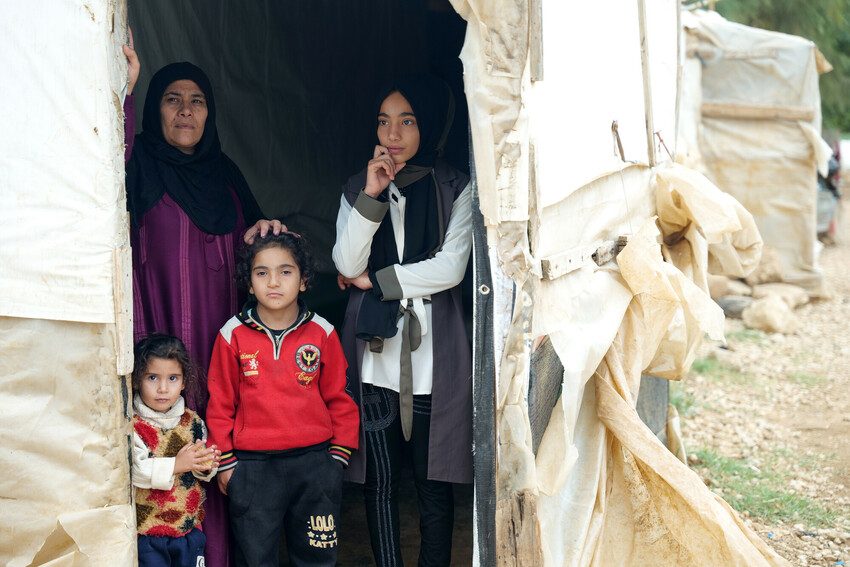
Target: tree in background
{"x": 827, "y": 23}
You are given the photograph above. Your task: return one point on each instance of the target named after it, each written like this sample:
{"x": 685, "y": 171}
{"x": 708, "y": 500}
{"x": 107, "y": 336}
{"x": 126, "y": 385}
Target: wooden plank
{"x": 647, "y": 84}
{"x": 535, "y": 38}
{"x": 756, "y": 112}
{"x": 557, "y": 265}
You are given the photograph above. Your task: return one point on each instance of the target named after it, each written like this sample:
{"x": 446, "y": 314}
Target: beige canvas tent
{"x": 572, "y": 116}
{"x": 753, "y": 116}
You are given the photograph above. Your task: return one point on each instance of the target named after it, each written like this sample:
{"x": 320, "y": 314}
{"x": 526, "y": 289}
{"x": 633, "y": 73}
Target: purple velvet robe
{"x": 183, "y": 280}
{"x": 183, "y": 284}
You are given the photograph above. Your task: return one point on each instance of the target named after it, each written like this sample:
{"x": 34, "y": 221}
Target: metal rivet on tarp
{"x": 484, "y": 290}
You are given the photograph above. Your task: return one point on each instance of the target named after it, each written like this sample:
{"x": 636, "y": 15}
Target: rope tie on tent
{"x": 615, "y": 132}
{"x": 663, "y": 145}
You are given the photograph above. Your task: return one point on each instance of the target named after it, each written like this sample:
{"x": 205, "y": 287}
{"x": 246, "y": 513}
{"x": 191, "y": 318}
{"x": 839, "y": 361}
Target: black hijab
{"x": 424, "y": 226}
{"x": 433, "y": 106}
{"x": 200, "y": 182}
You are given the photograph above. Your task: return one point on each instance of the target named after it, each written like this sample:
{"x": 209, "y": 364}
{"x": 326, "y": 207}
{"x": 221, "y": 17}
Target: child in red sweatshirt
{"x": 279, "y": 412}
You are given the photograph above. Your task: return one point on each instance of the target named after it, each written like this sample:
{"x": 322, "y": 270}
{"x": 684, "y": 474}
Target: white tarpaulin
{"x": 600, "y": 489}
{"x": 64, "y": 288}
{"x": 61, "y": 180}
{"x": 759, "y": 131}
{"x": 64, "y": 462}
{"x": 557, "y": 184}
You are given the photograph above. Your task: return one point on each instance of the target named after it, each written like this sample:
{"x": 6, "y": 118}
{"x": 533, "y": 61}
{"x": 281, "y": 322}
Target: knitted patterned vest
{"x": 174, "y": 512}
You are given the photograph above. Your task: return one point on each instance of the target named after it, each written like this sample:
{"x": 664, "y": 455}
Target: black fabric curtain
{"x": 295, "y": 87}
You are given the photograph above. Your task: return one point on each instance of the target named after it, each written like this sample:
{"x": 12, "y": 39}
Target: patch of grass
{"x": 762, "y": 492}
{"x": 682, "y": 400}
{"x": 712, "y": 368}
{"x": 746, "y": 335}
{"x": 801, "y": 458}
{"x": 806, "y": 379}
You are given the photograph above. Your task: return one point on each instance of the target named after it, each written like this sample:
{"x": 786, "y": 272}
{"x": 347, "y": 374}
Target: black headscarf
{"x": 199, "y": 182}
{"x": 424, "y": 228}
{"x": 433, "y": 106}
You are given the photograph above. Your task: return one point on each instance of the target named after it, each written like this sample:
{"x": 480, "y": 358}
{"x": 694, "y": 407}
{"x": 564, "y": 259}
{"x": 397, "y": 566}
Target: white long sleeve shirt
{"x": 413, "y": 283}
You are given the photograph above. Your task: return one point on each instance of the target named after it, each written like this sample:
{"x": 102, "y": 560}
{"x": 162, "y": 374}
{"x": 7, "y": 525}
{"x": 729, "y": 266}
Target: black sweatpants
{"x": 386, "y": 450}
{"x": 297, "y": 494}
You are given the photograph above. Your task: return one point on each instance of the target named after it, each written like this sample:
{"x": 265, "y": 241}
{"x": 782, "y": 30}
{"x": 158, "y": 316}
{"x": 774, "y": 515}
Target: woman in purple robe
{"x": 189, "y": 209}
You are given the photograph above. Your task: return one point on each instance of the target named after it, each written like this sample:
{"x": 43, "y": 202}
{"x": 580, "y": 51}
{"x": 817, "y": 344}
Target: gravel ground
{"x": 772, "y": 412}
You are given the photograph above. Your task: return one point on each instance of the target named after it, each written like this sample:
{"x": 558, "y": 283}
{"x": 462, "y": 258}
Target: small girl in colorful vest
{"x": 169, "y": 456}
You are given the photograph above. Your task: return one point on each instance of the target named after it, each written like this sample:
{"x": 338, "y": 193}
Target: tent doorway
{"x": 296, "y": 86}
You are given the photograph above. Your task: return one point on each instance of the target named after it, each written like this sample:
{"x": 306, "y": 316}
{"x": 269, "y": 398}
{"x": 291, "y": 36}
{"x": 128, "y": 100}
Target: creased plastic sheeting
{"x": 768, "y": 164}
{"x": 707, "y": 229}
{"x": 61, "y": 160}
{"x": 494, "y": 56}
{"x": 582, "y": 310}
{"x": 64, "y": 455}
{"x": 628, "y": 500}
{"x": 660, "y": 512}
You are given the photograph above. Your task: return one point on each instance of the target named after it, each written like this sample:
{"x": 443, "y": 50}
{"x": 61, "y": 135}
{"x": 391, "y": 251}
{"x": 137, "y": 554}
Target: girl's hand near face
{"x": 380, "y": 170}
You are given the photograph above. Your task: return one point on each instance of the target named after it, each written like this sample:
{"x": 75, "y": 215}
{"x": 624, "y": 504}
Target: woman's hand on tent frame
{"x": 133, "y": 64}
{"x": 262, "y": 228}
{"x": 361, "y": 282}
{"x": 380, "y": 170}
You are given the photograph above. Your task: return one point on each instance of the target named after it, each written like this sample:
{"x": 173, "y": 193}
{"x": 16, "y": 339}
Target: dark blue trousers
{"x": 186, "y": 551}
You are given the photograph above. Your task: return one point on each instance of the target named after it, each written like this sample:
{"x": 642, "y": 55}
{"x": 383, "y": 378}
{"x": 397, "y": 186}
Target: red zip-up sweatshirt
{"x": 278, "y": 395}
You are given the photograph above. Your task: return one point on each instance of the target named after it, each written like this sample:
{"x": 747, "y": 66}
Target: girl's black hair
{"x": 160, "y": 345}
{"x": 294, "y": 243}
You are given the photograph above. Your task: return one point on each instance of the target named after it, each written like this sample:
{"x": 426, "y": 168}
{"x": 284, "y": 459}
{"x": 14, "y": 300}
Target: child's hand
{"x": 224, "y": 480}
{"x": 195, "y": 457}
{"x": 215, "y": 457}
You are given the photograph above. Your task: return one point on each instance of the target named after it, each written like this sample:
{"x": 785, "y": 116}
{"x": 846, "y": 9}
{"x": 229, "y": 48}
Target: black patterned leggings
{"x": 386, "y": 450}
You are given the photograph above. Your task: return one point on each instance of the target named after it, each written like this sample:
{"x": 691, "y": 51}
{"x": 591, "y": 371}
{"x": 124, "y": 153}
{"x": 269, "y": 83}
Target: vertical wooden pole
{"x": 647, "y": 84}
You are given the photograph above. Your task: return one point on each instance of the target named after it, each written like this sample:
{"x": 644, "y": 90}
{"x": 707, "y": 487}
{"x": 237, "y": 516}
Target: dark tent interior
{"x": 295, "y": 86}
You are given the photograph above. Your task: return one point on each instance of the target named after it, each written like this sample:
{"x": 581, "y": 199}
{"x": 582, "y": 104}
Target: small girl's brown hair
{"x": 159, "y": 345}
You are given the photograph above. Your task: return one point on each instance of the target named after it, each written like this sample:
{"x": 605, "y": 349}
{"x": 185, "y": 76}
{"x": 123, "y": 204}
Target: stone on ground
{"x": 770, "y": 314}
{"x": 734, "y": 305}
{"x": 737, "y": 287}
{"x": 794, "y": 296}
